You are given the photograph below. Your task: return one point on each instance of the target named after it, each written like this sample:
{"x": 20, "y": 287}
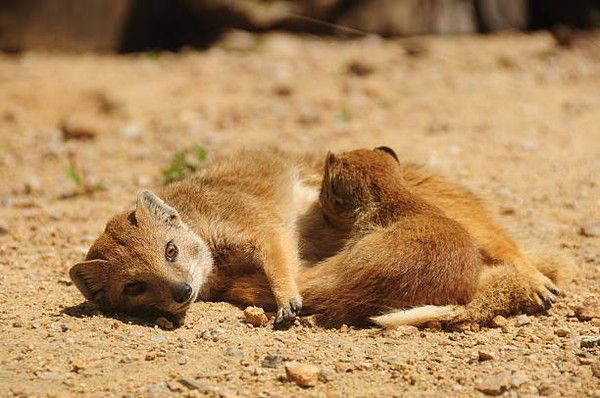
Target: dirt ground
{"x": 512, "y": 116}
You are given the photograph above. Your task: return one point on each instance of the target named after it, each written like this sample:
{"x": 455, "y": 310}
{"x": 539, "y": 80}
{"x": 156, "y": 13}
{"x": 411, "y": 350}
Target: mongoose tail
{"x": 501, "y": 291}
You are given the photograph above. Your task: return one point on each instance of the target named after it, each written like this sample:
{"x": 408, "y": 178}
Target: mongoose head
{"x": 354, "y": 181}
{"x": 145, "y": 260}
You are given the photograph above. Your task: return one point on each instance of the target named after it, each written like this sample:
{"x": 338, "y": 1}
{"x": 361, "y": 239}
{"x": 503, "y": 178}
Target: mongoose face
{"x": 352, "y": 182}
{"x": 145, "y": 260}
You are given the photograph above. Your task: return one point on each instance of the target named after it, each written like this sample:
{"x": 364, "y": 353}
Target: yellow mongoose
{"x": 233, "y": 232}
{"x": 404, "y": 252}
{"x": 234, "y": 217}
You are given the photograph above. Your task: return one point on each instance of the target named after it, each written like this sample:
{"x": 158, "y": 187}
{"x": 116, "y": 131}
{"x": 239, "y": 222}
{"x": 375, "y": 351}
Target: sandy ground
{"x": 512, "y": 116}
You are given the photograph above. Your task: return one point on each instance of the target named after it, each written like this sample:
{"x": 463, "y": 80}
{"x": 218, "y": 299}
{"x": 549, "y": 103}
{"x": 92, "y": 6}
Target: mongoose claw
{"x": 289, "y": 312}
{"x": 544, "y": 295}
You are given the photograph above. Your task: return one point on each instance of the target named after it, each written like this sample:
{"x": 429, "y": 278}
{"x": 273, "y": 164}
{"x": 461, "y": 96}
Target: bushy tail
{"x": 502, "y": 291}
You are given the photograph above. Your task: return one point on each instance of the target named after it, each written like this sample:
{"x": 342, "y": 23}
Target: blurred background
{"x": 141, "y": 25}
{"x": 100, "y": 98}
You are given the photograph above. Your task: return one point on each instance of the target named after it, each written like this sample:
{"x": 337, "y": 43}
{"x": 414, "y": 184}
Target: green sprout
{"x": 82, "y": 185}
{"x": 344, "y": 115}
{"x": 184, "y": 163}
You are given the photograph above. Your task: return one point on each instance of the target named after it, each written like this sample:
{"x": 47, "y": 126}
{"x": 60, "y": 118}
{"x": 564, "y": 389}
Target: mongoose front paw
{"x": 289, "y": 312}
{"x": 543, "y": 294}
{"x": 170, "y": 321}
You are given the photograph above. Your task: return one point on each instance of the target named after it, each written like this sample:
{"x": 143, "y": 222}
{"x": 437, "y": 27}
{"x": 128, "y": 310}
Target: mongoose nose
{"x": 182, "y": 293}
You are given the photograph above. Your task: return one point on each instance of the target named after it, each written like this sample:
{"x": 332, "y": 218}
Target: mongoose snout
{"x": 182, "y": 292}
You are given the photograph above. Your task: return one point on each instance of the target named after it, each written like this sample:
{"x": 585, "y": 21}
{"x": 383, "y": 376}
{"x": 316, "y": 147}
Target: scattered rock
{"x": 234, "y": 352}
{"x": 159, "y": 338}
{"x": 49, "y": 375}
{"x": 561, "y": 332}
{"x": 283, "y": 89}
{"x": 326, "y": 375}
{"x": 150, "y": 356}
{"x": 303, "y": 374}
{"x": 3, "y": 229}
{"x": 359, "y": 68}
{"x": 182, "y": 360}
{"x": 255, "y": 316}
{"x": 523, "y": 320}
{"x": 518, "y": 379}
{"x": 395, "y": 363}
{"x": 17, "y": 324}
{"x": 131, "y": 131}
{"x": 590, "y": 341}
{"x": 32, "y": 184}
{"x": 77, "y": 366}
{"x": 238, "y": 40}
{"x": 548, "y": 390}
{"x": 415, "y": 47}
{"x": 344, "y": 328}
{"x": 308, "y": 115}
{"x": 596, "y": 368}
{"x": 271, "y": 361}
{"x": 499, "y": 321}
{"x": 495, "y": 385}
{"x": 73, "y": 130}
{"x": 343, "y": 367}
{"x": 590, "y": 229}
{"x": 485, "y": 356}
{"x": 589, "y": 309}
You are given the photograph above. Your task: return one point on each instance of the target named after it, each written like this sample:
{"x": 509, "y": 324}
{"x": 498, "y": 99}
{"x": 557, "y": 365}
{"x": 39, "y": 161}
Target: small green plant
{"x": 183, "y": 163}
{"x": 344, "y": 115}
{"x": 82, "y": 185}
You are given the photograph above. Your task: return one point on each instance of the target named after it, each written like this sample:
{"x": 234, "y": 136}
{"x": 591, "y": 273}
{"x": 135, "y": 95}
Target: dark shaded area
{"x": 147, "y": 25}
{"x": 171, "y": 25}
{"x": 546, "y": 14}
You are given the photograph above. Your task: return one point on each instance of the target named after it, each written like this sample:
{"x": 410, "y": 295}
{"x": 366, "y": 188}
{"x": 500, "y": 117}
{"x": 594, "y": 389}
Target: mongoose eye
{"x": 171, "y": 252}
{"x": 134, "y": 288}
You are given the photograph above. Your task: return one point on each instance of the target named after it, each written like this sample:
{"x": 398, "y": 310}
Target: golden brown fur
{"x": 241, "y": 213}
{"x": 241, "y": 225}
{"x": 402, "y": 250}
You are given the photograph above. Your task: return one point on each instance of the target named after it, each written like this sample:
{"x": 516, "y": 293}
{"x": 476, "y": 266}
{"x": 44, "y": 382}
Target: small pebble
{"x": 485, "y": 356}
{"x": 234, "y": 352}
{"x": 495, "y": 385}
{"x": 255, "y": 316}
{"x": 590, "y": 229}
{"x": 182, "y": 360}
{"x": 589, "y": 309}
{"x": 499, "y": 321}
{"x": 590, "y": 341}
{"x": 523, "y": 320}
{"x": 303, "y": 374}
{"x": 271, "y": 361}
{"x": 561, "y": 332}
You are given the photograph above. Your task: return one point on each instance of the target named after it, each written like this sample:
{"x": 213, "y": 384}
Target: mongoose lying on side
{"x": 235, "y": 217}
{"x": 233, "y": 232}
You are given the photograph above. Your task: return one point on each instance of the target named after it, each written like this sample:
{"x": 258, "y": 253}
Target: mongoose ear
{"x": 90, "y": 278}
{"x": 389, "y": 151}
{"x": 150, "y": 204}
{"x": 330, "y": 160}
